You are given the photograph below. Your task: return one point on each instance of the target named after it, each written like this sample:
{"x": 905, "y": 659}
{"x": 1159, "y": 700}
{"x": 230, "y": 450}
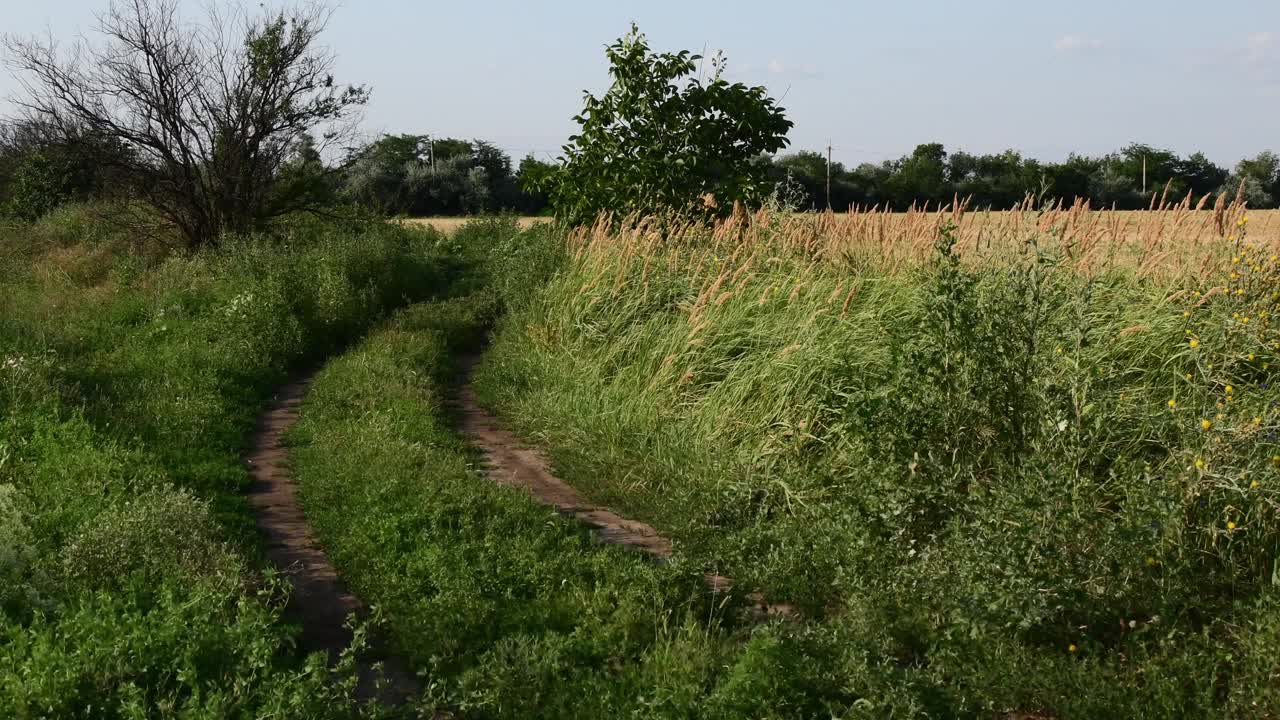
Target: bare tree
{"x": 209, "y": 112}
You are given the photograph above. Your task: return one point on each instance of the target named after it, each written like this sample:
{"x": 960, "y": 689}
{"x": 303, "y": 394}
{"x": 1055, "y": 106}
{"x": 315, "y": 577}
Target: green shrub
{"x": 157, "y": 534}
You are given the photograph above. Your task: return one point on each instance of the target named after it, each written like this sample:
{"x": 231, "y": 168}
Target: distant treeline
{"x": 1003, "y": 179}
{"x": 418, "y": 175}
{"x": 394, "y": 174}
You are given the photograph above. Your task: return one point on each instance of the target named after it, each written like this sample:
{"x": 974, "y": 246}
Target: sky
{"x": 872, "y": 79}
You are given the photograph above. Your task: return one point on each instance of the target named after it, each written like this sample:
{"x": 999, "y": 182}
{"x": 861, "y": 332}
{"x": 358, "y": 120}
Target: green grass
{"x": 506, "y": 608}
{"x": 968, "y": 475}
{"x": 129, "y": 379}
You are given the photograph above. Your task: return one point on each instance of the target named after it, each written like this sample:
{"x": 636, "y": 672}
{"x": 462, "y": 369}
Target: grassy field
{"x": 130, "y": 578}
{"x": 1037, "y": 446}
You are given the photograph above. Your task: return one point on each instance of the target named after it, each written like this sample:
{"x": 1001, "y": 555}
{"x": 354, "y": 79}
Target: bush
{"x": 155, "y": 535}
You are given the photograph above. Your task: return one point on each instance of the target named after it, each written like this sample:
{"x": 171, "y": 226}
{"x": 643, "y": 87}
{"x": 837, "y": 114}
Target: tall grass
{"x": 1046, "y": 452}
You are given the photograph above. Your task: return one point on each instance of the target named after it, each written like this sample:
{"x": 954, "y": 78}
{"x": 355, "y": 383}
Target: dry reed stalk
{"x": 1174, "y": 238}
{"x": 844, "y": 309}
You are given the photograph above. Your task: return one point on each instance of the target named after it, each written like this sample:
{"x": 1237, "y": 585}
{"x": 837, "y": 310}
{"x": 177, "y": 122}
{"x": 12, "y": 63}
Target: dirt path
{"x": 320, "y": 602}
{"x": 511, "y": 462}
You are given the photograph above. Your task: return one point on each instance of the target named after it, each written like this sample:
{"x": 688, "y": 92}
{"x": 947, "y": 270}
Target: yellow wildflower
{"x": 1231, "y": 525}
{"x": 1194, "y": 343}
{"x": 1172, "y": 403}
{"x": 1206, "y": 424}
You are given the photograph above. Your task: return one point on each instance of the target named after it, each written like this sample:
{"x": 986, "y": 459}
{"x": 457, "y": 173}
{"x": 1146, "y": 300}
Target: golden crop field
{"x": 450, "y": 224}
{"x": 1167, "y": 243}
{"x": 1170, "y": 239}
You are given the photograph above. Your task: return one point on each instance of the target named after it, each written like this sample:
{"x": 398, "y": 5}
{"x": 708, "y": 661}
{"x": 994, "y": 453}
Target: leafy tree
{"x": 1200, "y": 174}
{"x": 1261, "y": 177}
{"x": 1001, "y": 180}
{"x": 304, "y": 177}
{"x": 808, "y": 170}
{"x": 530, "y": 177}
{"x": 381, "y": 174}
{"x": 997, "y": 181}
{"x": 1112, "y": 185}
{"x": 443, "y": 150}
{"x": 1162, "y": 170}
{"x": 921, "y": 176}
{"x": 662, "y": 138}
{"x": 209, "y": 118}
{"x": 874, "y": 182}
{"x": 416, "y": 175}
{"x": 1070, "y": 180}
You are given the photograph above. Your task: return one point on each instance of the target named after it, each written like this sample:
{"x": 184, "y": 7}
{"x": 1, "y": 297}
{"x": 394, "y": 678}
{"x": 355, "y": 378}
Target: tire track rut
{"x": 319, "y": 602}
{"x": 511, "y": 462}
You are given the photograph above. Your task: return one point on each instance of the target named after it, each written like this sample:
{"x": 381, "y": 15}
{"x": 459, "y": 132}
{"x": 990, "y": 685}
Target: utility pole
{"x": 1144, "y": 175}
{"x": 431, "y": 149}
{"x": 828, "y": 175}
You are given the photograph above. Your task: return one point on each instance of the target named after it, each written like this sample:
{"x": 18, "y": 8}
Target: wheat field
{"x": 1174, "y": 239}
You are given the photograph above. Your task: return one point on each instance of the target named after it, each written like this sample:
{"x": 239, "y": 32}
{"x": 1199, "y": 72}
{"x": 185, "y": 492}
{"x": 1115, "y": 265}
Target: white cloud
{"x": 1073, "y": 43}
{"x": 1257, "y": 47}
{"x": 779, "y": 67}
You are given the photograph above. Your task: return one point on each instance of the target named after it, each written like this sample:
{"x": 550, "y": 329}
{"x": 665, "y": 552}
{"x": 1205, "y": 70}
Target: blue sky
{"x": 873, "y": 78}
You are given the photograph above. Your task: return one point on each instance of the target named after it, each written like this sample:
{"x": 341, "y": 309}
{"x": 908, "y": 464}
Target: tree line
{"x": 417, "y": 175}
{"x": 1126, "y": 179}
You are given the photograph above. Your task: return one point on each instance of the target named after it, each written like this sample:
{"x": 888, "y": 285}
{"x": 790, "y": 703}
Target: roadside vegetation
{"x": 997, "y": 476}
{"x": 129, "y": 380}
{"x": 507, "y": 609}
